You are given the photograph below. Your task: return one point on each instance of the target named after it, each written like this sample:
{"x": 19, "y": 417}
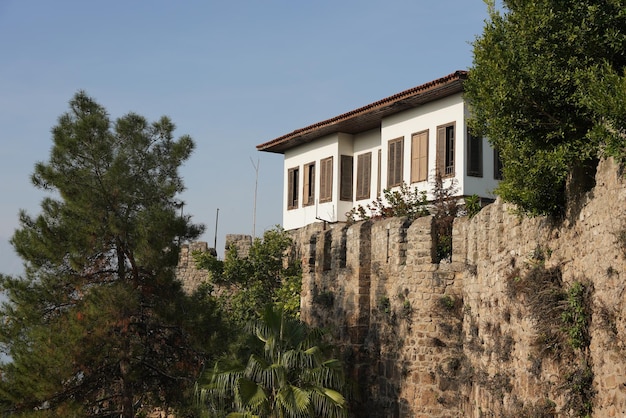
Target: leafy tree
{"x": 534, "y": 67}
{"x": 248, "y": 283}
{"x": 99, "y": 324}
{"x": 289, "y": 375}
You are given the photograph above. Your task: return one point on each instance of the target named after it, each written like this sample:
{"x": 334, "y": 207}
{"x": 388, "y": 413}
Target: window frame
{"x": 446, "y": 150}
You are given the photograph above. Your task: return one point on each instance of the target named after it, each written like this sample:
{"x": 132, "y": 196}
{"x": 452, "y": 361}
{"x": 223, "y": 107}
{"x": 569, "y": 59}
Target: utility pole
{"x": 256, "y": 184}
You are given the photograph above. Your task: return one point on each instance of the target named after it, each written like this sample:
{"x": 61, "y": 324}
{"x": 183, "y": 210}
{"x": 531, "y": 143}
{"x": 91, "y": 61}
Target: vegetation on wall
{"x": 247, "y": 283}
{"x": 401, "y": 202}
{"x": 561, "y": 316}
{"x": 412, "y": 204}
{"x": 547, "y": 88}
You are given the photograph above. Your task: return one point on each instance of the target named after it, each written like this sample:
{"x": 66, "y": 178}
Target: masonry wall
{"x": 463, "y": 338}
{"x": 481, "y": 335}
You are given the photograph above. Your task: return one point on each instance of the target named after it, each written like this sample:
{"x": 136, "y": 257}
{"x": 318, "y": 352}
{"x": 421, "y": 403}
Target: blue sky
{"x": 232, "y": 74}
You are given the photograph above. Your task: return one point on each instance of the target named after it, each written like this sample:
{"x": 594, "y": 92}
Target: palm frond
{"x": 294, "y": 401}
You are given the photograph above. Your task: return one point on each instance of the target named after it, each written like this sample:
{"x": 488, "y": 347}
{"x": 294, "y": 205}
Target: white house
{"x": 335, "y": 165}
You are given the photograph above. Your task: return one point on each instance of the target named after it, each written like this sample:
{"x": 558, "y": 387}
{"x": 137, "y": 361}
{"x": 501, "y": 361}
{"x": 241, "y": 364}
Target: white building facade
{"x": 336, "y": 165}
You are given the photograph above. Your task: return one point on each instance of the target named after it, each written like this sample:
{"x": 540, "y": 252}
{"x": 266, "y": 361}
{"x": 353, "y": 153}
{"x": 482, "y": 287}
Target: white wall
{"x": 482, "y": 186}
{"x": 328, "y": 146}
{"x": 426, "y": 117}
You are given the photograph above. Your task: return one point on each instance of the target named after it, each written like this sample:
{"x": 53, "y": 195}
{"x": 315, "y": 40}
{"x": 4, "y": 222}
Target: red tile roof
{"x": 369, "y": 117}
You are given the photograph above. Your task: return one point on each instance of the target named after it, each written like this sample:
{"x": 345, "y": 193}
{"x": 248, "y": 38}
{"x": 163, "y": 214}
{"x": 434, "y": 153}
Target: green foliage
{"x": 546, "y": 88}
{"x": 472, "y": 205}
{"x": 579, "y": 391}
{"x": 289, "y": 374}
{"x": 384, "y": 305}
{"x": 400, "y": 202}
{"x": 575, "y": 316}
{"x": 445, "y": 209}
{"x": 605, "y": 93}
{"x": 413, "y": 204}
{"x": 447, "y": 302}
{"x": 99, "y": 321}
{"x": 249, "y": 283}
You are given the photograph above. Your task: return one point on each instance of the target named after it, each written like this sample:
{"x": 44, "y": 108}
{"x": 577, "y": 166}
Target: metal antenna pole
{"x": 256, "y": 185}
{"x": 216, "y": 218}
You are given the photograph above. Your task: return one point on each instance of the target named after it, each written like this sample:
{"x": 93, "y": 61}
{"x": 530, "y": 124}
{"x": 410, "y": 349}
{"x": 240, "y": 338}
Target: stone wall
{"x": 485, "y": 334}
{"x": 463, "y": 338}
{"x": 186, "y": 270}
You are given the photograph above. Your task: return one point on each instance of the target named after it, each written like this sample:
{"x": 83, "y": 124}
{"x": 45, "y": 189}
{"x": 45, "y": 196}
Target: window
{"x": 292, "y": 187}
{"x": 346, "y": 178}
{"x": 497, "y": 165}
{"x": 326, "y": 180}
{"x": 419, "y": 157}
{"x": 445, "y": 150}
{"x": 308, "y": 193}
{"x": 394, "y": 162}
{"x": 474, "y": 155}
{"x": 363, "y": 176}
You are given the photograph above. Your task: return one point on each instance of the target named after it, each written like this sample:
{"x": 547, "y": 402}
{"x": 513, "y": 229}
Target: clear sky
{"x": 231, "y": 73}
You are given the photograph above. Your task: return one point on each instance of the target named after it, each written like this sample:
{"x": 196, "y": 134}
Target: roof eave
{"x": 370, "y": 116}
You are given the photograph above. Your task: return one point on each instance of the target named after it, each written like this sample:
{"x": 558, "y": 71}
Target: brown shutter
{"x": 312, "y": 180}
{"x": 346, "y": 178}
{"x": 363, "y": 176}
{"x": 441, "y": 151}
{"x": 394, "y": 162}
{"x": 390, "y": 163}
{"x": 308, "y": 190}
{"x": 419, "y": 157}
{"x": 292, "y": 188}
{"x": 305, "y": 189}
{"x": 326, "y": 179}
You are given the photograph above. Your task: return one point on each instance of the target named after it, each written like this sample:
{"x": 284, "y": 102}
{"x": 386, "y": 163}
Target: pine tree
{"x": 99, "y": 325}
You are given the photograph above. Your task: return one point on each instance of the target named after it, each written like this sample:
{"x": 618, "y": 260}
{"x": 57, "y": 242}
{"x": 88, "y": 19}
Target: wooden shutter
{"x": 292, "y": 188}
{"x": 394, "y": 162}
{"x": 441, "y": 151}
{"x": 346, "y": 178}
{"x": 308, "y": 195}
{"x": 363, "y": 176}
{"x": 419, "y": 157}
{"x": 326, "y": 179}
